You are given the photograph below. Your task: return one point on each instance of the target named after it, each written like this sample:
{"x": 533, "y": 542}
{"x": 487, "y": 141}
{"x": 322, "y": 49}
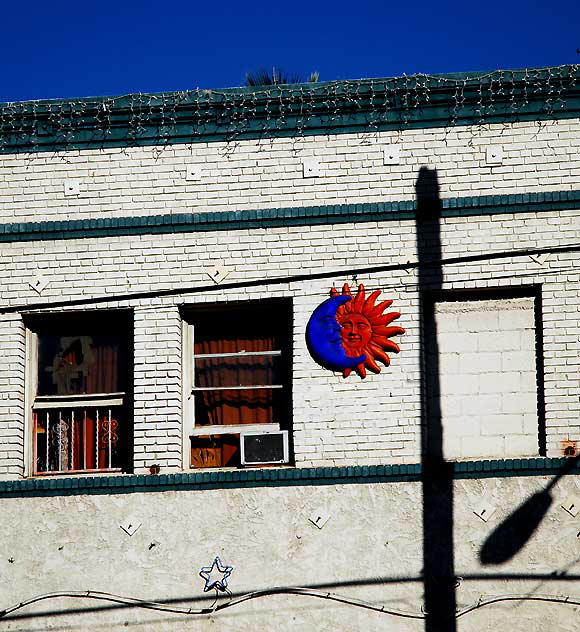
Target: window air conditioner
{"x": 260, "y": 448}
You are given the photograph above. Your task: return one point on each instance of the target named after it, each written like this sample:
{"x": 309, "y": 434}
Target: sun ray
{"x": 359, "y": 301}
{"x": 360, "y": 369}
{"x": 379, "y": 341}
{"x": 387, "y": 332}
{"x": 382, "y": 356}
{"x": 392, "y": 346}
{"x": 379, "y": 309}
{"x": 386, "y": 319}
{"x": 370, "y": 302}
{"x": 366, "y": 330}
{"x": 372, "y": 365}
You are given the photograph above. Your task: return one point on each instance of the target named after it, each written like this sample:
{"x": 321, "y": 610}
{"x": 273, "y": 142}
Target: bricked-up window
{"x": 240, "y": 377}
{"x": 80, "y": 374}
{"x": 489, "y": 350}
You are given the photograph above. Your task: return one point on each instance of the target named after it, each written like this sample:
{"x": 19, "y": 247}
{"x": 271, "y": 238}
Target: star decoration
{"x": 216, "y": 568}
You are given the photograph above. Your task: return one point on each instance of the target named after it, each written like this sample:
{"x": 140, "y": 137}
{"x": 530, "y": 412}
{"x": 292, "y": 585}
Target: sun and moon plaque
{"x": 349, "y": 333}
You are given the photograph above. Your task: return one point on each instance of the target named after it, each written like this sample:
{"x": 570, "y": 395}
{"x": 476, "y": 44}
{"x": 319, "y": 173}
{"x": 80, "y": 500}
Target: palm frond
{"x": 263, "y": 77}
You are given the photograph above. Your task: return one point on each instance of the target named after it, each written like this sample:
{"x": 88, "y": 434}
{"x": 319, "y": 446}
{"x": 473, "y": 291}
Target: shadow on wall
{"x": 508, "y": 538}
{"x": 437, "y": 476}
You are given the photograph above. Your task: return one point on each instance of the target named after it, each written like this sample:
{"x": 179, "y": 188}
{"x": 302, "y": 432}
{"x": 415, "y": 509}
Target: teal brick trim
{"x": 298, "y": 216}
{"x": 282, "y": 477}
{"x": 366, "y": 105}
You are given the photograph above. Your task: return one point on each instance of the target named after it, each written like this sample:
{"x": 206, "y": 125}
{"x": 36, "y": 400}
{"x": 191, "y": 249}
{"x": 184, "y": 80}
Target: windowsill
{"x": 203, "y": 431}
{"x": 45, "y": 402}
{"x": 111, "y": 472}
{"x": 243, "y": 468}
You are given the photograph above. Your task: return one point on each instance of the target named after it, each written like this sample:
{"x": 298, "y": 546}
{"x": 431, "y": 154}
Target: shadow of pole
{"x": 510, "y": 536}
{"x": 437, "y": 475}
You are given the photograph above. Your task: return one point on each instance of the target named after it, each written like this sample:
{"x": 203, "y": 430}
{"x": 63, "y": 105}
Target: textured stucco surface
{"x": 370, "y": 549}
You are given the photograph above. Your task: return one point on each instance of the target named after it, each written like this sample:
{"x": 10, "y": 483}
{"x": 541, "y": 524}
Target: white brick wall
{"x": 157, "y": 389}
{"x": 487, "y": 367}
{"x": 12, "y": 369}
{"x": 268, "y": 174}
{"x": 336, "y": 421}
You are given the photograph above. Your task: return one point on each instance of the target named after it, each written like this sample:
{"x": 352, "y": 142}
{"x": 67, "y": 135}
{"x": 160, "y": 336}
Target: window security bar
{"x": 76, "y": 440}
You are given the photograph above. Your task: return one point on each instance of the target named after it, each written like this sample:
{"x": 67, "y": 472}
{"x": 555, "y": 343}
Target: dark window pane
{"x": 234, "y": 330}
{"x": 79, "y": 364}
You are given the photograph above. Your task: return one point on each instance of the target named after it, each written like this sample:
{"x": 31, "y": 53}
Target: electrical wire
{"x": 334, "y": 274}
{"x": 481, "y": 603}
{"x": 306, "y": 592}
{"x": 152, "y": 605}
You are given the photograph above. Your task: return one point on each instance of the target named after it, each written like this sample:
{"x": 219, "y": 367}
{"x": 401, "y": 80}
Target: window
{"x": 489, "y": 350}
{"x": 79, "y": 391}
{"x": 239, "y": 379}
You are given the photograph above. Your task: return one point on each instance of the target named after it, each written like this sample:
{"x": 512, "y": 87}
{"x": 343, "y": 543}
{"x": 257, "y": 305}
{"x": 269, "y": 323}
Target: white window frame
{"x": 190, "y": 389}
{"x": 34, "y": 403}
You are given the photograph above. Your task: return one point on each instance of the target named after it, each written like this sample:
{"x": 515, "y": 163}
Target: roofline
{"x": 470, "y": 76}
{"x": 361, "y": 105}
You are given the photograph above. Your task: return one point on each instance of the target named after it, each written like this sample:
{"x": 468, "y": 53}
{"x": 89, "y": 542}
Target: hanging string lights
{"x": 365, "y": 105}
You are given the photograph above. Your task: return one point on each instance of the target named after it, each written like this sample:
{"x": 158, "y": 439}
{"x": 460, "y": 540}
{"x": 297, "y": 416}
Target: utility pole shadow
{"x": 437, "y": 474}
{"x": 510, "y": 536}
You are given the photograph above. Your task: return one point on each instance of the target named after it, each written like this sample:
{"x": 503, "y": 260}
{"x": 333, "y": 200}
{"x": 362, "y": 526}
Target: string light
{"x": 277, "y": 109}
{"x": 482, "y": 601}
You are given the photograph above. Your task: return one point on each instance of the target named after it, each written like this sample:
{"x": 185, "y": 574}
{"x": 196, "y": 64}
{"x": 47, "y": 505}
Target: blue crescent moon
{"x": 323, "y": 337}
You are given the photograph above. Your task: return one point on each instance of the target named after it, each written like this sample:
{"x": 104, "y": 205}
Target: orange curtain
{"x": 103, "y": 374}
{"x": 227, "y": 407}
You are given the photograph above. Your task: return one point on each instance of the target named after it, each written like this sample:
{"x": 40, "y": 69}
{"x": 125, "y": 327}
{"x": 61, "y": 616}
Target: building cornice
{"x": 284, "y": 217}
{"x": 365, "y": 105}
{"x": 274, "y": 477}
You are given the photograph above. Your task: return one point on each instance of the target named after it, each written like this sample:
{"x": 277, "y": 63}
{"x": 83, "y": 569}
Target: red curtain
{"x": 227, "y": 407}
{"x": 231, "y": 407}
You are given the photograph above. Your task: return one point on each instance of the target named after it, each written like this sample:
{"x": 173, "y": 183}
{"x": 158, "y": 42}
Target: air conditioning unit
{"x": 262, "y": 448}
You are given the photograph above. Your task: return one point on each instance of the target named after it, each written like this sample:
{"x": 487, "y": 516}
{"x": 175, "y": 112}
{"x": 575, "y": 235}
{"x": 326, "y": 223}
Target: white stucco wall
{"x": 370, "y": 549}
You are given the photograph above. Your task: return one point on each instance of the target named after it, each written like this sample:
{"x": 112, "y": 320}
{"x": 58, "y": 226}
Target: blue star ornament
{"x": 216, "y": 575}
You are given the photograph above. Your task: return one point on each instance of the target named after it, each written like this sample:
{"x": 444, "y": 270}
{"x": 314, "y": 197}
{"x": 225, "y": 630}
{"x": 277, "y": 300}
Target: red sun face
{"x": 365, "y": 329}
{"x": 356, "y": 332}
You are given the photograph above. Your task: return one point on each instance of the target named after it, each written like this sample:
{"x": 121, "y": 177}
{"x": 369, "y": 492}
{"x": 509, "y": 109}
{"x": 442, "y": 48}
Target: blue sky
{"x": 60, "y": 48}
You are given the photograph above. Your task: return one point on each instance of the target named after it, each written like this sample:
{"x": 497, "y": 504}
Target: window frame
{"x": 431, "y": 298}
{"x": 189, "y": 388}
{"x": 35, "y": 326}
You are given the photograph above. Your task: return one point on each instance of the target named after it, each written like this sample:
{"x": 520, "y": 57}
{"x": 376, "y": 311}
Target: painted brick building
{"x": 151, "y": 244}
